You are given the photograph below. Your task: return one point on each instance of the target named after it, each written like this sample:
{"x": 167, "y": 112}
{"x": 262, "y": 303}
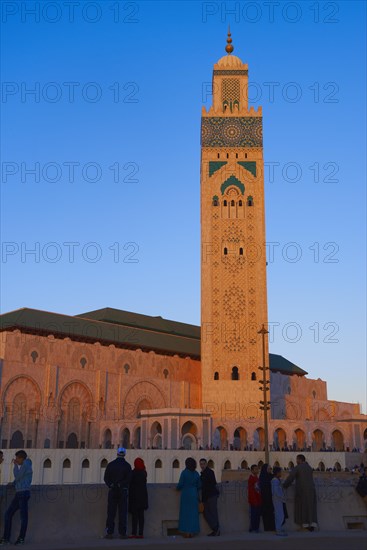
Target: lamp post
{"x": 264, "y": 403}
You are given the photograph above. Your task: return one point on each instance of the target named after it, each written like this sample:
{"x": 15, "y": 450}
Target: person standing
{"x": 209, "y": 497}
{"x": 1, "y": 486}
{"x": 1, "y": 461}
{"x": 189, "y": 484}
{"x": 305, "y": 508}
{"x": 254, "y": 499}
{"x": 267, "y": 508}
{"x": 138, "y": 498}
{"x": 278, "y": 495}
{"x": 362, "y": 486}
{"x": 22, "y": 482}
{"x": 117, "y": 478}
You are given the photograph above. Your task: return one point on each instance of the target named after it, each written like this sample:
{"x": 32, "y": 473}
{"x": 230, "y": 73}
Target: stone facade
{"x": 60, "y": 393}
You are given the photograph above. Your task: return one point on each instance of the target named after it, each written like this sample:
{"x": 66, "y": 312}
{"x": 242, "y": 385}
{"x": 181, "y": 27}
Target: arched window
{"x": 239, "y": 203}
{"x": 235, "y": 375}
{"x": 165, "y": 373}
{"x": 236, "y": 155}
{"x": 107, "y": 439}
{"x": 215, "y": 201}
{"x": 126, "y": 368}
{"x": 241, "y": 251}
{"x": 227, "y": 465}
{"x": 85, "y": 463}
{"x": 250, "y": 201}
{"x": 104, "y": 463}
{"x": 83, "y": 362}
{"x": 321, "y": 467}
{"x": 72, "y": 441}
{"x": 158, "y": 463}
{"x": 175, "y": 464}
{"x": 224, "y": 203}
{"x": 218, "y": 155}
{"x": 216, "y": 376}
{"x": 253, "y": 376}
{"x": 244, "y": 465}
{"x": 225, "y": 251}
{"x": 232, "y": 203}
{"x": 47, "y": 463}
{"x": 66, "y": 463}
{"x": 47, "y": 444}
{"x": 125, "y": 438}
{"x": 314, "y": 394}
{"x": 239, "y": 438}
{"x": 34, "y": 356}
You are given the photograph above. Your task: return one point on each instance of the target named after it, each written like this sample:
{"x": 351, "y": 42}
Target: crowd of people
{"x": 199, "y": 493}
{"x": 265, "y": 493}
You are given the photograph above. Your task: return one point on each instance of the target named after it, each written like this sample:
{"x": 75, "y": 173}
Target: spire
{"x": 229, "y": 48}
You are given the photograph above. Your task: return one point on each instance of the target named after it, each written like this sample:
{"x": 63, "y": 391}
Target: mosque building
{"x": 109, "y": 377}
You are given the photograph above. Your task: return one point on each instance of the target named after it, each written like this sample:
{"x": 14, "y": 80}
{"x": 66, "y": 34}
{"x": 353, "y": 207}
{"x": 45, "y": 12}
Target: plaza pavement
{"x": 336, "y": 540}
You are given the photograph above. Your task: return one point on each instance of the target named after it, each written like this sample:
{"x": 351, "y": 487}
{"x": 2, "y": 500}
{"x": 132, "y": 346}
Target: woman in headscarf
{"x": 138, "y": 498}
{"x": 267, "y": 508}
{"x": 189, "y": 484}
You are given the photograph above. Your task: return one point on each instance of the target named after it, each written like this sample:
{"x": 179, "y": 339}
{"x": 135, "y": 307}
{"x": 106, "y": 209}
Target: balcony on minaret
{"x": 230, "y": 87}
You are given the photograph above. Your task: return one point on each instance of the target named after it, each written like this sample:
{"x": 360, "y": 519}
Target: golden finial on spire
{"x": 229, "y": 48}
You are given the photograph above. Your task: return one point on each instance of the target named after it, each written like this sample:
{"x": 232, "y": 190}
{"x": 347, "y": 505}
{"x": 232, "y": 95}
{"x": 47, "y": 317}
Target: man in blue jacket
{"x": 22, "y": 483}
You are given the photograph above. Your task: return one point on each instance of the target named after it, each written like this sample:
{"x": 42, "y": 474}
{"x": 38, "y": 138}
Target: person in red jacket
{"x": 254, "y": 499}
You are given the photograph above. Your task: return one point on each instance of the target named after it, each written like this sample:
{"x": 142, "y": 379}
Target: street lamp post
{"x": 264, "y": 403}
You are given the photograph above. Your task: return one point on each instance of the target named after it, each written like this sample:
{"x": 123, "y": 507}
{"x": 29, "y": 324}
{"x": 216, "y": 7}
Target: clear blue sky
{"x": 120, "y": 84}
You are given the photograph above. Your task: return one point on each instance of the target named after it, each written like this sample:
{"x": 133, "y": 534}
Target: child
{"x": 254, "y": 499}
{"x": 280, "y": 509}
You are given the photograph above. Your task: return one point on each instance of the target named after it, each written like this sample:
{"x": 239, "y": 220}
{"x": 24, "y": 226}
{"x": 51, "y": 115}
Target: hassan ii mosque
{"x": 109, "y": 377}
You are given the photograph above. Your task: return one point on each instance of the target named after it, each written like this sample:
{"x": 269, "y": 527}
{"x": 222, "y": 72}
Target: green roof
{"x": 123, "y": 329}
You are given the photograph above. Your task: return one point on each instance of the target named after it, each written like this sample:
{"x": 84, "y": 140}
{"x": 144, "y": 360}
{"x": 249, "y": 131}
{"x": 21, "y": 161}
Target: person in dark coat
{"x": 305, "y": 509}
{"x": 267, "y": 508}
{"x": 362, "y": 486}
{"x": 138, "y": 498}
{"x": 117, "y": 478}
{"x": 209, "y": 497}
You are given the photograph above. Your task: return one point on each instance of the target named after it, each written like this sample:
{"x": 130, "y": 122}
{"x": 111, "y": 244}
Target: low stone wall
{"x": 73, "y": 512}
{"x": 61, "y": 466}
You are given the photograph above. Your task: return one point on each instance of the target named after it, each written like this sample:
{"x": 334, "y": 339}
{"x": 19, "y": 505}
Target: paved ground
{"x": 343, "y": 540}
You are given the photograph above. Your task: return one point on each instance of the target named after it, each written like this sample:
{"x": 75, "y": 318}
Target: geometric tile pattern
{"x": 215, "y": 165}
{"x": 249, "y": 165}
{"x": 231, "y": 73}
{"x": 231, "y": 132}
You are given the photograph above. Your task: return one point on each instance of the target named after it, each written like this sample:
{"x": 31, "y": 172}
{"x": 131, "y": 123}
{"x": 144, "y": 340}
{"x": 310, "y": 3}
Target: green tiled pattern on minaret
{"x": 215, "y": 165}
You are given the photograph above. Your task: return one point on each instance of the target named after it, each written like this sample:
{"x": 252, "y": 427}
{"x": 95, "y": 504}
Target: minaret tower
{"x": 233, "y": 262}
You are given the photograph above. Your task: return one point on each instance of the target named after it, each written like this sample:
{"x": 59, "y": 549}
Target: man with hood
{"x": 117, "y": 478}
{"x": 22, "y": 483}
